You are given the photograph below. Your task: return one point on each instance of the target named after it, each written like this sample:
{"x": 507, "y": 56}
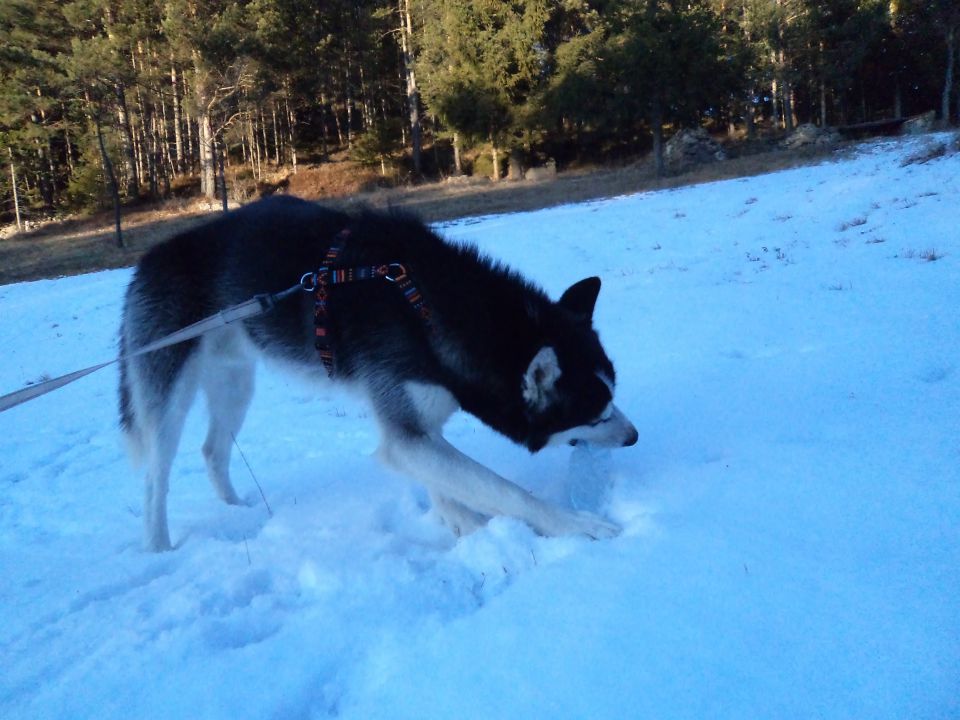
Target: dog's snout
{"x": 631, "y": 438}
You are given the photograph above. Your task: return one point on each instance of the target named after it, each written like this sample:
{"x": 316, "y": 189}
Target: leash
{"x": 257, "y": 305}
{"x": 318, "y": 282}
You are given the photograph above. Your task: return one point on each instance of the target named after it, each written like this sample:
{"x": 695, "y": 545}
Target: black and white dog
{"x": 493, "y": 344}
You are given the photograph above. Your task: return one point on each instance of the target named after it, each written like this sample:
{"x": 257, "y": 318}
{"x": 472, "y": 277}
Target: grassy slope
{"x": 79, "y": 246}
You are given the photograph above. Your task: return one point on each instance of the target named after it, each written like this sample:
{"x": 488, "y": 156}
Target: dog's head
{"x": 569, "y": 383}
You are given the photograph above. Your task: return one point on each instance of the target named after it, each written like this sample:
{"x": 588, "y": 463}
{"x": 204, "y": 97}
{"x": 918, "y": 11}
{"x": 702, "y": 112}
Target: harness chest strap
{"x": 321, "y": 281}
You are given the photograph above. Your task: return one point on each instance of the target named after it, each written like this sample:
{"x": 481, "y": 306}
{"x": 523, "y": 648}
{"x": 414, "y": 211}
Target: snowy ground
{"x": 790, "y": 354}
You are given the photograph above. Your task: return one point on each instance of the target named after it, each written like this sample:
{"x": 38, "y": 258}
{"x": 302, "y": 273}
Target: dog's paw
{"x": 596, "y": 527}
{"x": 586, "y": 523}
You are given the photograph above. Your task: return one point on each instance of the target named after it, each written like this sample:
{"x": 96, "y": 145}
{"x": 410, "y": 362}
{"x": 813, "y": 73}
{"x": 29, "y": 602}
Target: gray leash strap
{"x": 257, "y": 305}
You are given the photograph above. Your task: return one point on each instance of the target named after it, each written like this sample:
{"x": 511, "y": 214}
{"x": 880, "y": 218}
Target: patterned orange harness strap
{"x": 322, "y": 281}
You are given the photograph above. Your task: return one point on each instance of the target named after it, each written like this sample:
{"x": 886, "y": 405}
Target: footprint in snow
{"x": 935, "y": 374}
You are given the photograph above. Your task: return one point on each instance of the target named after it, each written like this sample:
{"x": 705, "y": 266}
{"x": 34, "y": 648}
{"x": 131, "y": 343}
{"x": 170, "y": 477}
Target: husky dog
{"x": 493, "y": 344}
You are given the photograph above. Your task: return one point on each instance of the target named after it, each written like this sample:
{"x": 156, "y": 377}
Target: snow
{"x": 790, "y": 514}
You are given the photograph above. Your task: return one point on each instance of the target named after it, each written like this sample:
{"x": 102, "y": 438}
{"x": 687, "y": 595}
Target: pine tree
{"x": 482, "y": 67}
{"x": 32, "y": 37}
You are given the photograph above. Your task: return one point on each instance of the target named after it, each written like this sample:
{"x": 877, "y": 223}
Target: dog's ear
{"x": 540, "y": 378}
{"x": 580, "y": 298}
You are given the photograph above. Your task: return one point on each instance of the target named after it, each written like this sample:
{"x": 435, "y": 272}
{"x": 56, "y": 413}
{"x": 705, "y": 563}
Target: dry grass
{"x": 79, "y": 246}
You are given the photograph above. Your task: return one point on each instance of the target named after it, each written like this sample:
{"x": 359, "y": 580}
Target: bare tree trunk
{"x": 153, "y": 169}
{"x": 158, "y": 148}
{"x": 189, "y": 157}
{"x": 384, "y": 113}
{"x": 248, "y": 147}
{"x": 126, "y": 142}
{"x": 786, "y": 88}
{"x": 67, "y": 139}
{"x": 276, "y": 134}
{"x": 323, "y": 125}
{"x": 496, "y": 160}
{"x": 656, "y": 128}
{"x": 254, "y": 150}
{"x": 147, "y": 138}
{"x": 144, "y": 127}
{"x": 112, "y": 177}
{"x": 263, "y": 135}
{"x": 457, "y": 162}
{"x": 656, "y": 109}
{"x": 349, "y": 101}
{"x": 48, "y": 156}
{"x": 788, "y": 120}
{"x": 177, "y": 119}
{"x": 219, "y": 152}
{"x": 823, "y": 103}
{"x": 775, "y": 102}
{"x": 16, "y": 195}
{"x": 169, "y": 164}
{"x": 292, "y": 127}
{"x": 413, "y": 93}
{"x": 366, "y": 104}
{"x": 207, "y": 168}
{"x": 44, "y": 179}
{"x": 948, "y": 79}
{"x": 45, "y": 169}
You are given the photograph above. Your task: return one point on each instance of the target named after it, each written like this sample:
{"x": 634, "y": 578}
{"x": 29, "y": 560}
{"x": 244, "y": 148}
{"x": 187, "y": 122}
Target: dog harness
{"x": 323, "y": 279}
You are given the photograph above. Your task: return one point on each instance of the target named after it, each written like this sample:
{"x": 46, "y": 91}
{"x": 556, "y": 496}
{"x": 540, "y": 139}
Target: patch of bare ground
{"x": 84, "y": 245}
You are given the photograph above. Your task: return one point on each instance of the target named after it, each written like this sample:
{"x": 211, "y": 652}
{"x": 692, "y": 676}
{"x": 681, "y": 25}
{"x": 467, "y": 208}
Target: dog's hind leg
{"x": 165, "y": 425}
{"x": 227, "y": 378}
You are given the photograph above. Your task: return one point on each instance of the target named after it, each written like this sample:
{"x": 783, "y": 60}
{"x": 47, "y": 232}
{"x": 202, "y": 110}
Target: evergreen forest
{"x": 138, "y": 99}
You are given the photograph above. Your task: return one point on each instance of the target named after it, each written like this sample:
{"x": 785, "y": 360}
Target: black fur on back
{"x": 487, "y": 322}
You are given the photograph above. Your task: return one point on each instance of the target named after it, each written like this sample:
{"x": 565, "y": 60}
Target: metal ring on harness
{"x": 394, "y": 272}
{"x": 309, "y": 281}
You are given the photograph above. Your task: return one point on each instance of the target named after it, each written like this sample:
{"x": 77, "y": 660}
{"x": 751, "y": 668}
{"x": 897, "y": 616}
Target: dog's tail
{"x": 128, "y": 418}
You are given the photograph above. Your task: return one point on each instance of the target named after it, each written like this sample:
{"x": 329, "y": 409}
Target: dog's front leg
{"x": 460, "y": 519}
{"x": 447, "y": 472}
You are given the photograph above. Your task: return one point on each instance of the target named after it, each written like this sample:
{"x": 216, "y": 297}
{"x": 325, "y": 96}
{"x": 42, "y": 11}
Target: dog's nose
{"x": 631, "y": 438}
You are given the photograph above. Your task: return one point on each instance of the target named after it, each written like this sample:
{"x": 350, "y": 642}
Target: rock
{"x": 547, "y": 171}
{"x": 920, "y": 124}
{"x": 465, "y": 180}
{"x": 808, "y": 135}
{"x": 691, "y": 147}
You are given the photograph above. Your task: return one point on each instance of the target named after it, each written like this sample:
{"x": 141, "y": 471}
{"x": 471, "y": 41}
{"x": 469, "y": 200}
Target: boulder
{"x": 547, "y": 171}
{"x": 810, "y": 135}
{"x": 465, "y": 180}
{"x": 920, "y": 124}
{"x": 691, "y": 147}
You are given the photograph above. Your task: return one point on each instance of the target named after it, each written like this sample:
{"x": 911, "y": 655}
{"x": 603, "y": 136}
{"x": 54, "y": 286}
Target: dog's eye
{"x": 604, "y": 416}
